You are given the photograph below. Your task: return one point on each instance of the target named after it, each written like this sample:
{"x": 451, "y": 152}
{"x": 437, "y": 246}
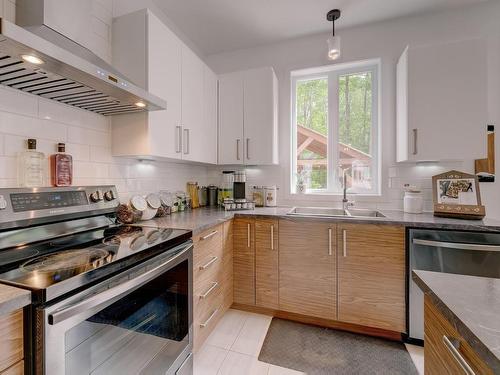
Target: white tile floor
{"x": 234, "y": 345}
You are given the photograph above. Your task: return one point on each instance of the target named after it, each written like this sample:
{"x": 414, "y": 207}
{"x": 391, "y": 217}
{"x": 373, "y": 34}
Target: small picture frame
{"x": 456, "y": 195}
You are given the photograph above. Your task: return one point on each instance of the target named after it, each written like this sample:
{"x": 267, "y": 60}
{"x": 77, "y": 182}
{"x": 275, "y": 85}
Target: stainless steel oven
{"x": 138, "y": 321}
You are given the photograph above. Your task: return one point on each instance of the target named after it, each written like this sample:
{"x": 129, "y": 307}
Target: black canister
{"x": 212, "y": 195}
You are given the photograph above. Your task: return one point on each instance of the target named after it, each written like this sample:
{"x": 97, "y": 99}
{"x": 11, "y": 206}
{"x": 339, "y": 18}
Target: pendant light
{"x": 333, "y": 41}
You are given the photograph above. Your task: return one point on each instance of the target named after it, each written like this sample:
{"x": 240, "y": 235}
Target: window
{"x": 335, "y": 128}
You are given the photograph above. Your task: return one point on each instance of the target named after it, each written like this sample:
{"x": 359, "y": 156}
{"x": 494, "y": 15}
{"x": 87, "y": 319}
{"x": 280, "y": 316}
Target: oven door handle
{"x": 456, "y": 245}
{"x": 111, "y": 295}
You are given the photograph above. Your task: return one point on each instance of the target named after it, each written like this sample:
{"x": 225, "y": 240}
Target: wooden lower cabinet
{"x": 371, "y": 276}
{"x": 307, "y": 268}
{"x": 439, "y": 359}
{"x": 16, "y": 369}
{"x": 212, "y": 284}
{"x": 244, "y": 261}
{"x": 266, "y": 263}
{"x": 11, "y": 343}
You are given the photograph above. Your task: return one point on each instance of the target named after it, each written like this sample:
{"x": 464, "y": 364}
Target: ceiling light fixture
{"x": 333, "y": 41}
{"x": 140, "y": 104}
{"x": 32, "y": 59}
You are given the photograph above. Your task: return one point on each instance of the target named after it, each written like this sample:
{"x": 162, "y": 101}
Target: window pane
{"x": 312, "y": 132}
{"x": 355, "y": 129}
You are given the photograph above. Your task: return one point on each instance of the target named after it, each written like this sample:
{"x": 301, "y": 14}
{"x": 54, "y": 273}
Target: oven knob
{"x": 3, "y": 203}
{"x": 96, "y": 196}
{"x": 109, "y": 195}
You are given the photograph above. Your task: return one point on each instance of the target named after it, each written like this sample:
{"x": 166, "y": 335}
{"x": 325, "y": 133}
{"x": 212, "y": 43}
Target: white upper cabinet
{"x": 248, "y": 122}
{"x": 442, "y": 102}
{"x": 195, "y": 124}
{"x": 162, "y": 64}
{"x": 231, "y": 118}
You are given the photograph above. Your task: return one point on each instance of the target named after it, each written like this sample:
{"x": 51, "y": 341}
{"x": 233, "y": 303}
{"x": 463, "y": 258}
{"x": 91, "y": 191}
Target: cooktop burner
{"x": 69, "y": 260}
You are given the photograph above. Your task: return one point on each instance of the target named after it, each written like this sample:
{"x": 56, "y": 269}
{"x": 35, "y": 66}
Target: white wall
{"x": 385, "y": 40}
{"x": 88, "y": 139}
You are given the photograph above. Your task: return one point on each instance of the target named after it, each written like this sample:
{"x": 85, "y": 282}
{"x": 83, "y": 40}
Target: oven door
{"x": 137, "y": 322}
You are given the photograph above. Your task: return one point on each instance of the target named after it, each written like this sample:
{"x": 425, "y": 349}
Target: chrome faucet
{"x": 346, "y": 203}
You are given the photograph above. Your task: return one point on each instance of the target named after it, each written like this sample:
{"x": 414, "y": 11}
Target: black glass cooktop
{"x": 58, "y": 266}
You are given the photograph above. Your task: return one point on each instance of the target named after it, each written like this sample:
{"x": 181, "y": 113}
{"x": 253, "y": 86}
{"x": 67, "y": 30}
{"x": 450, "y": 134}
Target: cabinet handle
{"x": 272, "y": 237}
{"x": 248, "y": 147}
{"x": 329, "y": 241}
{"x": 178, "y": 137}
{"x": 237, "y": 149}
{"x": 248, "y": 235}
{"x": 456, "y": 355}
{"x": 204, "y": 324}
{"x": 210, "y": 290}
{"x": 209, "y": 235}
{"x": 186, "y": 139}
{"x": 344, "y": 242}
{"x": 415, "y": 141}
{"x": 209, "y": 263}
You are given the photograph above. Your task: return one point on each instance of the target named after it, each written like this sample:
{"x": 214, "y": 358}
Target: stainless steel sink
{"x": 359, "y": 212}
{"x": 334, "y": 212}
{"x": 317, "y": 211}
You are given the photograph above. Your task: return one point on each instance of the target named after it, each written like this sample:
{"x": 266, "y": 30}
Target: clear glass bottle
{"x": 61, "y": 167}
{"x": 31, "y": 166}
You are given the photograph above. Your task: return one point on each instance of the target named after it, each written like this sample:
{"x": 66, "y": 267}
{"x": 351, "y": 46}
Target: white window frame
{"x": 333, "y": 72}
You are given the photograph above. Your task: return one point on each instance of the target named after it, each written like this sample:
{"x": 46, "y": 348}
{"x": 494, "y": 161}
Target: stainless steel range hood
{"x": 69, "y": 73}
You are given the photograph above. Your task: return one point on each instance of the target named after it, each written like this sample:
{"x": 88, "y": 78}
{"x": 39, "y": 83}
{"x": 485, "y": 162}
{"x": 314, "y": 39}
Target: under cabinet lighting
{"x": 140, "y": 104}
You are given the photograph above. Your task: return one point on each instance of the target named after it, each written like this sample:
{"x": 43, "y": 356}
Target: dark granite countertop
{"x": 12, "y": 298}
{"x": 200, "y": 219}
{"x": 472, "y": 305}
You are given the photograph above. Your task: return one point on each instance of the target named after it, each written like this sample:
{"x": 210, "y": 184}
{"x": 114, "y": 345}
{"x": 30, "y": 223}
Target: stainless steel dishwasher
{"x": 466, "y": 253}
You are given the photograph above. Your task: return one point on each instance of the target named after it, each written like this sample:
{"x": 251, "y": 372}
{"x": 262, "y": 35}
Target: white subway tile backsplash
{"x": 31, "y": 127}
{"x": 90, "y": 170}
{"x": 100, "y": 154}
{"x": 88, "y": 136}
{"x": 17, "y": 101}
{"x": 79, "y": 152}
{"x": 8, "y": 166}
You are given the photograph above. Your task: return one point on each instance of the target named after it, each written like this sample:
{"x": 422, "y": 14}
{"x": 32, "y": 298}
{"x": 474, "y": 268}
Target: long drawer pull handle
{"x": 203, "y": 325}
{"x": 456, "y": 245}
{"x": 210, "y": 290}
{"x": 344, "y": 242}
{"x": 248, "y": 235}
{"x": 329, "y": 241}
{"x": 415, "y": 141}
{"x": 272, "y": 237}
{"x": 209, "y": 263}
{"x": 457, "y": 356}
{"x": 209, "y": 235}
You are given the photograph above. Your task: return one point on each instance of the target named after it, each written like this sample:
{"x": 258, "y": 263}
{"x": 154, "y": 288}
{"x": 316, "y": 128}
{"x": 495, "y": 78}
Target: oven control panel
{"x": 21, "y": 204}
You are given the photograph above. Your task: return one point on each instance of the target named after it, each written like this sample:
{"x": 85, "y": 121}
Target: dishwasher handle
{"x": 456, "y": 245}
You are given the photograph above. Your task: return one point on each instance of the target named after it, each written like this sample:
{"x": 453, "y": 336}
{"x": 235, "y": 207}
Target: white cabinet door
{"x": 260, "y": 117}
{"x": 231, "y": 118}
{"x": 208, "y": 133}
{"x": 446, "y": 103}
{"x": 164, "y": 80}
{"x": 192, "y": 106}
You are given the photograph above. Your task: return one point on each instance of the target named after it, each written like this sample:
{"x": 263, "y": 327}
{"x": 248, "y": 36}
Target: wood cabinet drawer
{"x": 11, "y": 339}
{"x": 206, "y": 318}
{"x": 439, "y": 359}
{"x": 15, "y": 369}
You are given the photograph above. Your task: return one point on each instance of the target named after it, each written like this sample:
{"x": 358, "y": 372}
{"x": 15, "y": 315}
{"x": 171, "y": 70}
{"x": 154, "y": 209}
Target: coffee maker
{"x": 239, "y": 186}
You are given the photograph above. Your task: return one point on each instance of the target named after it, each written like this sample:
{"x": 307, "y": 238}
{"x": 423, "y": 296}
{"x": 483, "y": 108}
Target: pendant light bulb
{"x": 333, "y": 41}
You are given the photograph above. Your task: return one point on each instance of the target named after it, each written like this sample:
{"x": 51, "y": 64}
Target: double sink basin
{"x": 334, "y": 212}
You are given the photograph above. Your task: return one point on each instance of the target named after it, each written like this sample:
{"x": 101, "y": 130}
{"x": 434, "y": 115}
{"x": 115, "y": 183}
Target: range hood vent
{"x": 67, "y": 77}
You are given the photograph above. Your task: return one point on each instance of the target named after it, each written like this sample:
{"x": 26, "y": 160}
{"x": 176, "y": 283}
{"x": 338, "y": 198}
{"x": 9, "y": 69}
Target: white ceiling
{"x": 216, "y": 26}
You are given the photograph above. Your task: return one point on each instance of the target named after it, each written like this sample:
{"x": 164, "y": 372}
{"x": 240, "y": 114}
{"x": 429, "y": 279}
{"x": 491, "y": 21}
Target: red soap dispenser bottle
{"x": 61, "y": 167}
